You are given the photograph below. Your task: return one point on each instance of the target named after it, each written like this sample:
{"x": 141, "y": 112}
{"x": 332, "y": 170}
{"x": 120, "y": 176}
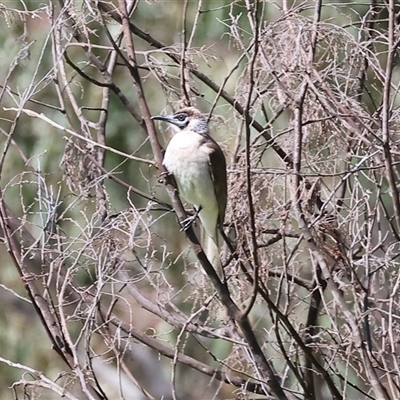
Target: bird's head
{"x": 186, "y": 118}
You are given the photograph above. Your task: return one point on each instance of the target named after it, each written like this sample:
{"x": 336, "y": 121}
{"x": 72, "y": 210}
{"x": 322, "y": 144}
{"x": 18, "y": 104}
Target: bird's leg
{"x": 187, "y": 223}
{"x": 162, "y": 176}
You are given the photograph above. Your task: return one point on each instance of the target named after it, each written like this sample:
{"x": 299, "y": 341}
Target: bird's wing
{"x": 218, "y": 175}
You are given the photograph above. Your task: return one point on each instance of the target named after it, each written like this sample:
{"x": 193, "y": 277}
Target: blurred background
{"x": 50, "y": 180}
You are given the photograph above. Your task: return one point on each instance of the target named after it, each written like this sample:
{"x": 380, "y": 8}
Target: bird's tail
{"x": 211, "y": 249}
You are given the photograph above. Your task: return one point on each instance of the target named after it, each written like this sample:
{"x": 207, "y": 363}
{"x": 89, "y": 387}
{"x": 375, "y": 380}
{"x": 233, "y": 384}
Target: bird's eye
{"x": 181, "y": 117}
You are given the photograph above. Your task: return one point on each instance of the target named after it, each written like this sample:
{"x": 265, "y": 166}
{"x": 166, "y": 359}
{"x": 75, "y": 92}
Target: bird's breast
{"x": 188, "y": 160}
{"x": 185, "y": 151}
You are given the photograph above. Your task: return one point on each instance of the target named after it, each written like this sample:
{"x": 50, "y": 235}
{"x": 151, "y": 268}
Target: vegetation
{"x": 104, "y": 297}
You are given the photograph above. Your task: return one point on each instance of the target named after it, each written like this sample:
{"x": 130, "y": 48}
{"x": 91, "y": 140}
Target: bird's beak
{"x": 162, "y": 117}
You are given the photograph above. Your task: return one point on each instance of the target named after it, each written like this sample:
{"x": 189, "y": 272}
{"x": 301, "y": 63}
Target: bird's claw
{"x": 188, "y": 222}
{"x": 162, "y": 176}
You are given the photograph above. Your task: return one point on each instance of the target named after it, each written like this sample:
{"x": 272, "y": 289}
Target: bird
{"x": 198, "y": 164}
